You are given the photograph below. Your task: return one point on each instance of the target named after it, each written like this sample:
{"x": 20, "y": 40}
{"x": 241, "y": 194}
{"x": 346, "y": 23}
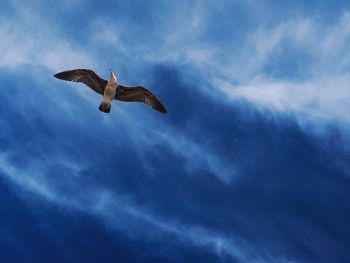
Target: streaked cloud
{"x": 117, "y": 212}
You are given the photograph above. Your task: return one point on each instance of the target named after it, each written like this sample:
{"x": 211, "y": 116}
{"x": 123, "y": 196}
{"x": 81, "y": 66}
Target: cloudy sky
{"x": 251, "y": 164}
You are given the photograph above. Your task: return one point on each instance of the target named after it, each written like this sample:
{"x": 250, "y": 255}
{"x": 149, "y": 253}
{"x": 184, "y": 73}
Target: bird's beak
{"x": 113, "y": 75}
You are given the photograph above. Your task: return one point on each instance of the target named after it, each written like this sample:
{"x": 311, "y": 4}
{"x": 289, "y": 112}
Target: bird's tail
{"x": 105, "y": 107}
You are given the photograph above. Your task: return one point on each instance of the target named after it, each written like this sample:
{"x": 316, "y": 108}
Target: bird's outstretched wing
{"x": 86, "y": 76}
{"x": 139, "y": 94}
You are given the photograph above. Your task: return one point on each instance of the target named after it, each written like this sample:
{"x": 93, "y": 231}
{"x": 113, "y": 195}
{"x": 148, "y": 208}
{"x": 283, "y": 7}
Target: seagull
{"x": 111, "y": 90}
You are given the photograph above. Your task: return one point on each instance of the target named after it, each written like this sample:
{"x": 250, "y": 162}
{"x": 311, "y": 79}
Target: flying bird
{"x": 112, "y": 90}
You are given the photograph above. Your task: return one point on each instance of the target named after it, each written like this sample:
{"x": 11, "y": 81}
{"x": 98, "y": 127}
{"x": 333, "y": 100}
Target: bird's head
{"x": 112, "y": 76}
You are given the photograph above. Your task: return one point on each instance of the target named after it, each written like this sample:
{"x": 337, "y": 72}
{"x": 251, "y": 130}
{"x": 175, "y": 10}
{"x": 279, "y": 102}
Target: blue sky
{"x": 251, "y": 164}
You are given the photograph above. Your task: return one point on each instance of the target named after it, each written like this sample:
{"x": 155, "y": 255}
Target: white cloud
{"x": 27, "y": 39}
{"x": 318, "y": 100}
{"x": 319, "y": 95}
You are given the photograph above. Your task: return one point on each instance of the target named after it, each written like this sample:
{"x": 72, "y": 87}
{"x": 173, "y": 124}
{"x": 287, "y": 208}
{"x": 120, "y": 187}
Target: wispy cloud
{"x": 29, "y": 39}
{"x": 319, "y": 101}
{"x": 120, "y": 212}
{"x": 318, "y": 93}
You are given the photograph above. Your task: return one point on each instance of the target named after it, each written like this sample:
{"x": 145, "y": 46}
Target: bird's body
{"x": 111, "y": 90}
{"x": 109, "y": 93}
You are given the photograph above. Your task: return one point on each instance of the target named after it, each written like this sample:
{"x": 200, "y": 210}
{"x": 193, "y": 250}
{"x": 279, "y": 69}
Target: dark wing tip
{"x": 57, "y": 75}
{"x": 162, "y": 110}
{"x": 72, "y": 74}
{"x": 157, "y": 105}
{"x": 64, "y": 75}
